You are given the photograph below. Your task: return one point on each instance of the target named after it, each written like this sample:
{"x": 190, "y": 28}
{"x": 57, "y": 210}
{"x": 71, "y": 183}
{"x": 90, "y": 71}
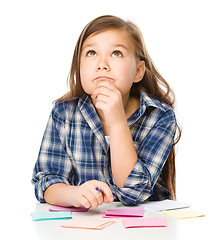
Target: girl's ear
{"x": 140, "y": 71}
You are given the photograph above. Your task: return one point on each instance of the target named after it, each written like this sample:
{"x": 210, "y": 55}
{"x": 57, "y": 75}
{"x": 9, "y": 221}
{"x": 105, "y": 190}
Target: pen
{"x": 98, "y": 189}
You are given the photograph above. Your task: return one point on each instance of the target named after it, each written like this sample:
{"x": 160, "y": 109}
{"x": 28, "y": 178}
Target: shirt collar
{"x": 148, "y": 101}
{"x": 145, "y": 101}
{"x": 86, "y": 107}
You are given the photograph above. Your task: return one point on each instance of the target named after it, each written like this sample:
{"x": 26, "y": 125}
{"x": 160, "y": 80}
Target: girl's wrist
{"x": 119, "y": 127}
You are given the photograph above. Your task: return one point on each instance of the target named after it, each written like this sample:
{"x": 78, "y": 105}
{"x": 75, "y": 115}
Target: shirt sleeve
{"x": 53, "y": 164}
{"x": 152, "y": 155}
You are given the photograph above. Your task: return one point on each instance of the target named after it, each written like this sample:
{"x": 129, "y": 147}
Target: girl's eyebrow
{"x": 89, "y": 45}
{"x": 120, "y": 45}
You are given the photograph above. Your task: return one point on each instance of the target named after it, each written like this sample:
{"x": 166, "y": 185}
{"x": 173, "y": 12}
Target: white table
{"x": 196, "y": 228}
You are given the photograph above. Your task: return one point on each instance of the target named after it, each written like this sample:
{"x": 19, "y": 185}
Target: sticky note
{"x": 71, "y": 209}
{"x": 124, "y": 212}
{"x": 40, "y": 216}
{"x": 144, "y": 222}
{"x": 164, "y": 205}
{"x": 97, "y": 224}
{"x": 181, "y": 214}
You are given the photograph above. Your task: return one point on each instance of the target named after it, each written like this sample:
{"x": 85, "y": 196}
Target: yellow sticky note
{"x": 181, "y": 214}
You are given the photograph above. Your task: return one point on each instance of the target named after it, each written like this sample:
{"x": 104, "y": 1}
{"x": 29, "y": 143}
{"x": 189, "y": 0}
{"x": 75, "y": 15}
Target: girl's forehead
{"x": 114, "y": 36}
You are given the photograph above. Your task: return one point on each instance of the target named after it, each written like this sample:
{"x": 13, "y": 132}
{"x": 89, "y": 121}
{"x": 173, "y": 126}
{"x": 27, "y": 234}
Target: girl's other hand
{"x": 86, "y": 195}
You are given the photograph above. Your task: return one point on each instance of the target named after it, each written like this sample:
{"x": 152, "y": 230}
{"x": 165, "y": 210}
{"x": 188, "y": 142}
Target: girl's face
{"x": 110, "y": 55}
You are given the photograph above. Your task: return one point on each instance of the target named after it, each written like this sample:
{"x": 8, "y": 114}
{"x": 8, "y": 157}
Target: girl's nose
{"x": 103, "y": 66}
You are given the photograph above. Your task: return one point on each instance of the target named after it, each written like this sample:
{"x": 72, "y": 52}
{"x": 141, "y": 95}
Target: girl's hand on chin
{"x": 108, "y": 99}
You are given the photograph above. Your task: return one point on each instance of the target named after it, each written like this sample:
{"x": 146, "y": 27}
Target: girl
{"x": 111, "y": 137}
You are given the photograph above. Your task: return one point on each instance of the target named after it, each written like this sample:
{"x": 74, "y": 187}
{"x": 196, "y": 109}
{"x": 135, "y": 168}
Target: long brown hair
{"x": 152, "y": 83}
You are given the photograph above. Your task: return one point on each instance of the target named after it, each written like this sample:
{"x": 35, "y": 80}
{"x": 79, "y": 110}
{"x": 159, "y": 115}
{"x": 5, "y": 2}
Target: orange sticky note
{"x": 97, "y": 224}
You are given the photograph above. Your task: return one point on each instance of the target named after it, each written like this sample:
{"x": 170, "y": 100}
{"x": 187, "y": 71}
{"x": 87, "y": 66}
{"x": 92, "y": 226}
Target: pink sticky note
{"x": 72, "y": 209}
{"x": 144, "y": 222}
{"x": 116, "y": 217}
{"x": 125, "y": 212}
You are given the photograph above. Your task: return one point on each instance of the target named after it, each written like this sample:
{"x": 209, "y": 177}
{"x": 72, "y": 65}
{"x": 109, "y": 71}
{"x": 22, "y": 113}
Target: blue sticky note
{"x": 40, "y": 216}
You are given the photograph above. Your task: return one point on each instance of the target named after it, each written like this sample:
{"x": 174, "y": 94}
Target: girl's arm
{"x": 53, "y": 168}
{"x": 59, "y": 194}
{"x": 123, "y": 154}
{"x": 111, "y": 109}
{"x": 85, "y": 195}
{"x": 135, "y": 173}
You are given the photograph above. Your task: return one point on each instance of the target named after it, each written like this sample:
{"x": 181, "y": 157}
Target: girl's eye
{"x": 91, "y": 53}
{"x": 117, "y": 54}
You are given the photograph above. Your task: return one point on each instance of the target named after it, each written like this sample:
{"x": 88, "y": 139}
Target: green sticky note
{"x": 40, "y": 216}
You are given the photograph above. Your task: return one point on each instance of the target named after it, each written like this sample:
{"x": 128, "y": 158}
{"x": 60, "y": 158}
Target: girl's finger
{"x": 84, "y": 202}
{"x": 107, "y": 84}
{"x": 106, "y": 190}
{"x": 102, "y": 91}
{"x": 94, "y": 198}
{"x": 102, "y": 98}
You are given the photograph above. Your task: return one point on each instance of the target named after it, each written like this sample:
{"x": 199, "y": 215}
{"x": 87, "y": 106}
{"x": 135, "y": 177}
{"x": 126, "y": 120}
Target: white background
{"x": 37, "y": 40}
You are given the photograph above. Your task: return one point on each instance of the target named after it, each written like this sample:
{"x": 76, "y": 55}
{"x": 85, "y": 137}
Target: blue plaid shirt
{"x": 74, "y": 149}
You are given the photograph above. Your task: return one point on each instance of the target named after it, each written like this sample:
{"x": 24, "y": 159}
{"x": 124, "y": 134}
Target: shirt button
{"x": 111, "y": 182}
